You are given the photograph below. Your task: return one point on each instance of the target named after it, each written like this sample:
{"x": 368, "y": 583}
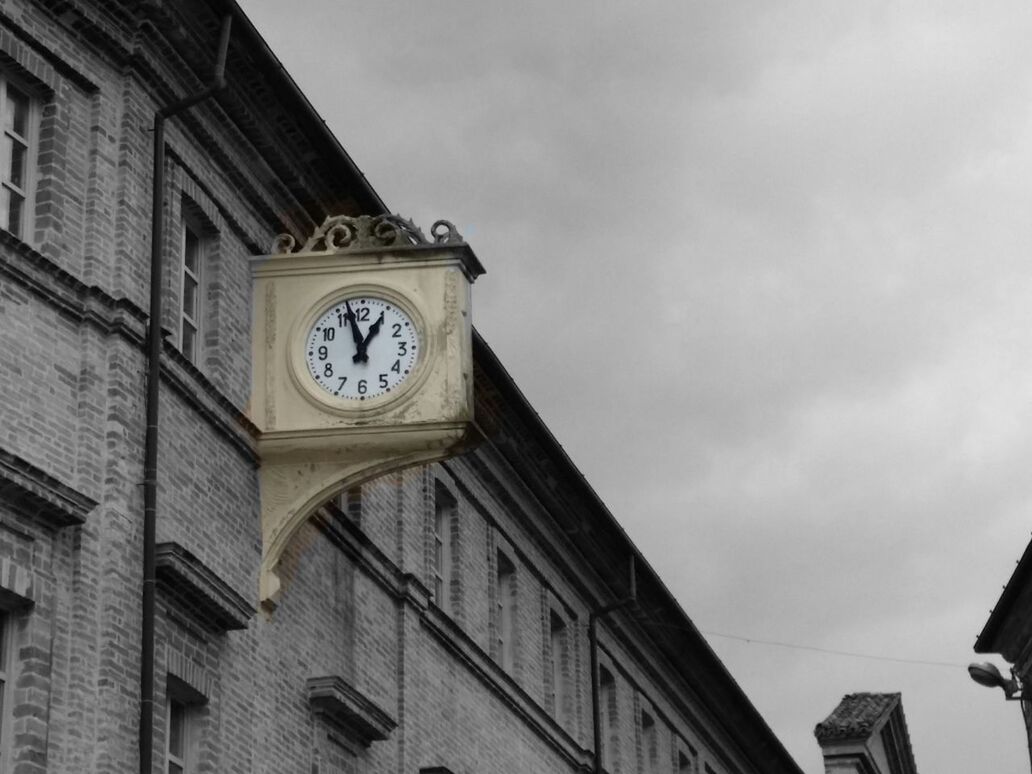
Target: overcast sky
{"x": 763, "y": 268}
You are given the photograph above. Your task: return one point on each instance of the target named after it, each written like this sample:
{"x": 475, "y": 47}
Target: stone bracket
{"x": 297, "y": 478}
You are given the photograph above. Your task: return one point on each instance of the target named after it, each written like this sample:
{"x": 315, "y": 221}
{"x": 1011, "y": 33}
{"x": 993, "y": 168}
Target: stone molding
{"x": 46, "y": 54}
{"x": 344, "y": 707}
{"x": 40, "y": 496}
{"x": 199, "y": 591}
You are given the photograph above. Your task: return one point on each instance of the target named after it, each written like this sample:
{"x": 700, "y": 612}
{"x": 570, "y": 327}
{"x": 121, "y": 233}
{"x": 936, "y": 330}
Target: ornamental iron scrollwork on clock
{"x": 341, "y": 233}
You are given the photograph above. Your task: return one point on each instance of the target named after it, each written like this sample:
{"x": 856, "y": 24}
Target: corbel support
{"x": 298, "y": 476}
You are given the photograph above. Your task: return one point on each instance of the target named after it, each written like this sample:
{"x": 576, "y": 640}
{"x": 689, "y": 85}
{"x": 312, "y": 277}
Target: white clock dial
{"x": 362, "y": 347}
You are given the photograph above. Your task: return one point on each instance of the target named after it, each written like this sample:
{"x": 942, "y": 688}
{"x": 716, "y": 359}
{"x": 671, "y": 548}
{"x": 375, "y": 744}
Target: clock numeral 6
{"x": 362, "y": 387}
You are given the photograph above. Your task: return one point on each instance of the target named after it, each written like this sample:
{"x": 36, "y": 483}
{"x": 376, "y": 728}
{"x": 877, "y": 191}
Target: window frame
{"x": 687, "y": 759}
{"x": 444, "y": 548}
{"x": 190, "y": 703}
{"x": 649, "y": 742}
{"x": 558, "y": 647}
{"x": 175, "y": 707}
{"x": 505, "y": 611}
{"x": 28, "y": 140}
{"x": 608, "y": 714}
{"x": 8, "y": 669}
{"x": 193, "y": 231}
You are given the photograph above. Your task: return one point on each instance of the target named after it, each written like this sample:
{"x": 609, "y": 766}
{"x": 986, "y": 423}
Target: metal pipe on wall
{"x": 154, "y": 340}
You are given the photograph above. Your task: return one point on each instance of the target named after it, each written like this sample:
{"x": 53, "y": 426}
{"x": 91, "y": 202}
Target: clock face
{"x": 362, "y": 347}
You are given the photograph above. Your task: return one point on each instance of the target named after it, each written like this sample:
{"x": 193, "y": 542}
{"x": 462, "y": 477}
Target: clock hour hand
{"x": 356, "y": 335}
{"x": 373, "y": 330}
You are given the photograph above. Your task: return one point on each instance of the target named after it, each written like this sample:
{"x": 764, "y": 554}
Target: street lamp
{"x": 988, "y": 675}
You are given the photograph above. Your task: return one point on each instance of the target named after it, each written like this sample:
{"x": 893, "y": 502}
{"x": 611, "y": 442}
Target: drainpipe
{"x": 154, "y": 340}
{"x": 596, "y": 709}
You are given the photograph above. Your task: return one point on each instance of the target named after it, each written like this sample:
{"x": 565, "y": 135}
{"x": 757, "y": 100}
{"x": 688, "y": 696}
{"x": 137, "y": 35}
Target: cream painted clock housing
{"x": 362, "y": 363}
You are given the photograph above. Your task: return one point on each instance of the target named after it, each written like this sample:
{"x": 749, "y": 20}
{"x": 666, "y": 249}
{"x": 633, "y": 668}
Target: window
{"x": 17, "y": 114}
{"x": 444, "y": 537}
{"x": 607, "y": 715}
{"x": 687, "y": 761}
{"x": 184, "y": 718}
{"x": 506, "y": 612}
{"x": 176, "y": 737}
{"x": 350, "y": 503}
{"x": 6, "y": 689}
{"x": 649, "y": 748}
{"x": 192, "y": 306}
{"x": 557, "y": 648}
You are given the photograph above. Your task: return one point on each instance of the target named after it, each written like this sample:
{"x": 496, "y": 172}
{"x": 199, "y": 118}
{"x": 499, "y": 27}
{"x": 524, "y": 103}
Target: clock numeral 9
{"x": 323, "y": 353}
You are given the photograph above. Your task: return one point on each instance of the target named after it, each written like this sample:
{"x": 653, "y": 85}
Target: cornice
{"x": 349, "y": 710}
{"x": 30, "y": 490}
{"x": 61, "y": 67}
{"x": 199, "y": 590}
{"x": 91, "y": 305}
{"x": 78, "y": 18}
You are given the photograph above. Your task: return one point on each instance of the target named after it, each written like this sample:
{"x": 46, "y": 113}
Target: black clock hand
{"x": 356, "y": 335}
{"x": 373, "y": 330}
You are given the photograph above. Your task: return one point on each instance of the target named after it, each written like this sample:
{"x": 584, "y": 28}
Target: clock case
{"x": 312, "y": 445}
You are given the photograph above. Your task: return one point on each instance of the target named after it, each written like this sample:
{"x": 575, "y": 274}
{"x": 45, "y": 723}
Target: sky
{"x": 763, "y": 270}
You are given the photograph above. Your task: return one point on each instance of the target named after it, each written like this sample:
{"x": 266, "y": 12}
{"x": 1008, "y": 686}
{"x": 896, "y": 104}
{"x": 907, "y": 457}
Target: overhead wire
{"x": 834, "y": 652}
{"x": 797, "y": 646}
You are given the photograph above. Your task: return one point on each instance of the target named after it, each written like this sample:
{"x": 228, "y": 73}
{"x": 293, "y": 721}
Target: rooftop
{"x": 856, "y": 716}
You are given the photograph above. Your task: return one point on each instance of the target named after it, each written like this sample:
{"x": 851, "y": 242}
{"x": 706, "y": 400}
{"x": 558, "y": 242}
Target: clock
{"x": 363, "y": 346}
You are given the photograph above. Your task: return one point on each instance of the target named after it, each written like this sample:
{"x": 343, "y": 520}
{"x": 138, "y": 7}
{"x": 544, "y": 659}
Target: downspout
{"x": 596, "y": 708}
{"x": 154, "y": 342}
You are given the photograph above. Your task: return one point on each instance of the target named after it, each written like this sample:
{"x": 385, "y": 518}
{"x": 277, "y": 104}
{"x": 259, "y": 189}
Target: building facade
{"x": 434, "y": 620}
